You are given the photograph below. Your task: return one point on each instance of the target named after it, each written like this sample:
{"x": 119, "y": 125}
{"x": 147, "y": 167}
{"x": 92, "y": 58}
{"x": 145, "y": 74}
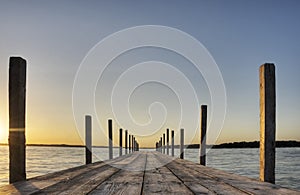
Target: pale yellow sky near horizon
{"x": 54, "y": 38}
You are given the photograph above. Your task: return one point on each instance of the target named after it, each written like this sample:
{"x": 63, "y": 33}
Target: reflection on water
{"x": 43, "y": 160}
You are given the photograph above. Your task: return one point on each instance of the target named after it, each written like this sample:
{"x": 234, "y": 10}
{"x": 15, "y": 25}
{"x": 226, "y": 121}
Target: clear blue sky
{"x": 54, "y": 37}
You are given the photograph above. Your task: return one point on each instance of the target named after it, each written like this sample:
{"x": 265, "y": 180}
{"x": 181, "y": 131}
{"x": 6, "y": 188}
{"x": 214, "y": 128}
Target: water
{"x": 246, "y": 162}
{"x": 43, "y": 160}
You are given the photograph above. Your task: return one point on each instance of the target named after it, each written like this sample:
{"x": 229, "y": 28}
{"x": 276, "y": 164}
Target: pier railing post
{"x": 164, "y": 143}
{"x": 126, "y": 140}
{"x": 167, "y": 141}
{"x": 129, "y": 143}
{"x": 160, "y": 145}
{"x": 110, "y": 139}
{"x": 181, "y": 143}
{"x": 203, "y": 134}
{"x": 88, "y": 139}
{"x": 120, "y": 142}
{"x": 132, "y": 143}
{"x": 267, "y": 122}
{"x": 17, "y": 110}
{"x": 172, "y": 140}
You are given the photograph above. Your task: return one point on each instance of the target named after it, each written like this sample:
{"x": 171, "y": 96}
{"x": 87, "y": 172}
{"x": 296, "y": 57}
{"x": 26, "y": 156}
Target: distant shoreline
{"x": 253, "y": 144}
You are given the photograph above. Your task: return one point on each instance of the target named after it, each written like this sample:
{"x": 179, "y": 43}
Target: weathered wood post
{"x": 129, "y": 144}
{"x": 203, "y": 134}
{"x": 137, "y": 145}
{"x": 267, "y": 122}
{"x": 160, "y": 145}
{"x": 88, "y": 139}
{"x": 181, "y": 143}
{"x": 136, "y": 148}
{"x": 120, "y": 141}
{"x": 17, "y": 109}
{"x": 164, "y": 143}
{"x": 172, "y": 140}
{"x": 126, "y": 140}
{"x": 131, "y": 138}
{"x": 167, "y": 141}
{"x": 133, "y": 144}
{"x": 110, "y": 139}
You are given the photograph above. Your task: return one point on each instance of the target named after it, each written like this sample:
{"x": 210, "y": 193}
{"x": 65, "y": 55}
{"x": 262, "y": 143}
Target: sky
{"x": 56, "y": 36}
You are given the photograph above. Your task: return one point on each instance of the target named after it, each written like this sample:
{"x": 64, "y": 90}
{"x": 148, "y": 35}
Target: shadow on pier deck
{"x": 143, "y": 173}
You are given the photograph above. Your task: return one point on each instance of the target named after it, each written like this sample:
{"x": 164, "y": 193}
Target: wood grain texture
{"x": 143, "y": 173}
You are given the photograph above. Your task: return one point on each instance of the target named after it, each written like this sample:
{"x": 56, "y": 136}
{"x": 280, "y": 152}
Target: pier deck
{"x": 143, "y": 173}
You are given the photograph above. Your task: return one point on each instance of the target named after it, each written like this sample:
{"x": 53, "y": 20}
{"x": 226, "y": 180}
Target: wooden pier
{"x": 143, "y": 173}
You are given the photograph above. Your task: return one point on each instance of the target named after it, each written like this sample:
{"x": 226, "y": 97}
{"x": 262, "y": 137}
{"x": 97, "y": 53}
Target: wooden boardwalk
{"x": 143, "y": 173}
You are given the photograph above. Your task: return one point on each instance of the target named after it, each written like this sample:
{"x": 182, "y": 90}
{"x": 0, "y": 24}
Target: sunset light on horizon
{"x": 58, "y": 39}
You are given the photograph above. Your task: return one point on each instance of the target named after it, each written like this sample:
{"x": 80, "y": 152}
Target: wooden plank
{"x": 86, "y": 182}
{"x": 199, "y": 183}
{"x": 143, "y": 173}
{"x": 248, "y": 185}
{"x": 38, "y": 183}
{"x": 129, "y": 180}
{"x": 159, "y": 180}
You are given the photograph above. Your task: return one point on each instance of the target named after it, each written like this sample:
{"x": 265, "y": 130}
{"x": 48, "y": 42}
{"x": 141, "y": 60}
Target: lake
{"x": 43, "y": 160}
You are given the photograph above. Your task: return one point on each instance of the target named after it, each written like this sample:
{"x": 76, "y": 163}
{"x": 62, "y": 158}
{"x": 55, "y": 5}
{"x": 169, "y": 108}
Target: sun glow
{"x": 2, "y": 134}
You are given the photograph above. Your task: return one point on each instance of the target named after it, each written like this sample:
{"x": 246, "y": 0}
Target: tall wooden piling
{"x": 133, "y": 144}
{"x": 203, "y": 134}
{"x": 110, "y": 139}
{"x": 164, "y": 143}
{"x": 136, "y": 145}
{"x": 160, "y": 145}
{"x": 181, "y": 143}
{"x": 126, "y": 140}
{"x": 17, "y": 109}
{"x": 167, "y": 141}
{"x": 120, "y": 142}
{"x": 129, "y": 144}
{"x": 88, "y": 139}
{"x": 267, "y": 122}
{"x": 172, "y": 140}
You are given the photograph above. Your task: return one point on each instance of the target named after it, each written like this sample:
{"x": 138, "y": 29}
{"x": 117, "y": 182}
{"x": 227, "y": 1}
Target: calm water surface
{"x": 43, "y": 160}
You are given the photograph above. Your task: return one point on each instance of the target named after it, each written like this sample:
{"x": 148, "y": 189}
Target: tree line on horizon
{"x": 253, "y": 144}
